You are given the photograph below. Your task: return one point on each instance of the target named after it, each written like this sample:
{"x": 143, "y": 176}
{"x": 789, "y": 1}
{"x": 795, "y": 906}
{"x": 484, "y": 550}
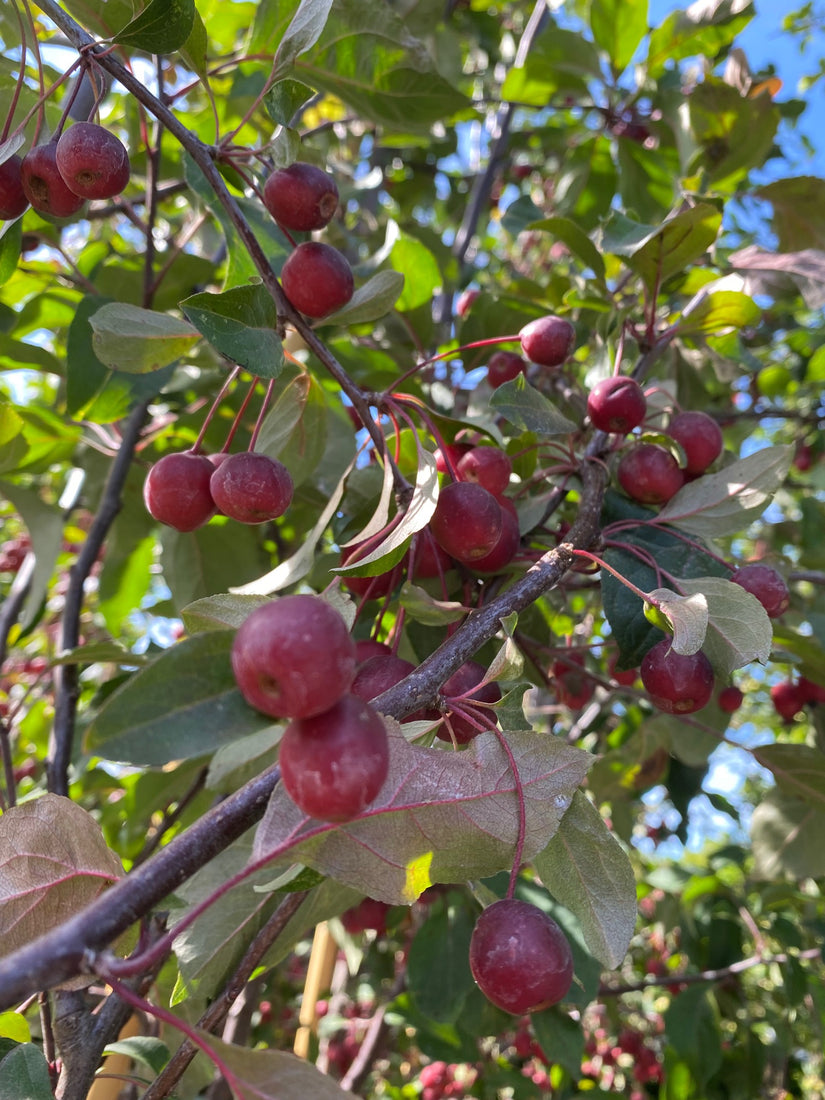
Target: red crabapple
{"x": 504, "y": 366}
{"x": 730, "y": 699}
{"x": 650, "y": 474}
{"x": 677, "y": 683}
{"x": 13, "y": 201}
{"x": 251, "y": 487}
{"x": 520, "y": 958}
{"x": 44, "y": 186}
{"x": 766, "y": 584}
{"x": 487, "y": 466}
{"x": 317, "y": 279}
{"x": 301, "y": 196}
{"x": 293, "y": 657}
{"x": 700, "y": 437}
{"x": 548, "y": 340}
{"x": 93, "y": 162}
{"x": 616, "y": 404}
{"x": 176, "y": 491}
{"x": 333, "y": 764}
{"x": 467, "y": 521}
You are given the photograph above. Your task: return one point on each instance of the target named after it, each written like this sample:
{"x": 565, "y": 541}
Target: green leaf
{"x": 24, "y": 1074}
{"x": 438, "y": 968}
{"x": 419, "y": 268}
{"x": 671, "y": 249}
{"x": 285, "y": 412}
{"x": 146, "y": 1049}
{"x": 373, "y": 299}
{"x": 559, "y": 62}
{"x": 725, "y": 502}
{"x": 162, "y": 27}
{"x": 11, "y": 423}
{"x": 561, "y": 1039}
{"x": 424, "y": 608}
{"x": 85, "y": 374}
{"x": 739, "y": 630}
{"x": 799, "y": 770}
{"x": 208, "y": 560}
{"x": 221, "y": 612}
{"x": 391, "y": 853}
{"x": 618, "y": 27}
{"x": 691, "y": 1029}
{"x": 241, "y": 324}
{"x": 563, "y": 229}
{"x": 10, "y": 243}
{"x": 303, "y": 31}
{"x": 195, "y": 49}
{"x": 735, "y": 133}
{"x": 44, "y": 523}
{"x": 786, "y": 834}
{"x": 185, "y": 704}
{"x": 719, "y": 312}
{"x": 15, "y": 1026}
{"x": 272, "y": 1074}
{"x": 588, "y": 871}
{"x": 138, "y": 341}
{"x": 703, "y": 30}
{"x": 687, "y": 617}
{"x": 798, "y": 211}
{"x": 524, "y": 406}
{"x": 284, "y": 99}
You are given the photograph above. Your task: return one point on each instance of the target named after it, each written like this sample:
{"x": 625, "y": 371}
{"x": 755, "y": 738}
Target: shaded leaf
{"x": 162, "y": 27}
{"x": 441, "y": 816}
{"x": 559, "y": 61}
{"x": 241, "y": 324}
{"x": 53, "y": 860}
{"x": 571, "y": 234}
{"x": 739, "y": 630}
{"x": 777, "y": 274}
{"x": 24, "y": 1074}
{"x": 725, "y": 502}
{"x": 284, "y": 98}
{"x": 272, "y": 1074}
{"x": 285, "y": 411}
{"x": 786, "y": 834}
{"x": 146, "y": 1049}
{"x": 375, "y": 298}
{"x": 127, "y": 338}
{"x": 438, "y": 966}
{"x": 524, "y": 406}
{"x": 303, "y": 31}
{"x": 798, "y": 211}
{"x": 44, "y": 523}
{"x": 425, "y": 608}
{"x": 220, "y": 612}
{"x": 184, "y": 704}
{"x": 734, "y": 132}
{"x": 679, "y": 242}
{"x": 799, "y": 770}
{"x": 692, "y": 1031}
{"x": 588, "y": 871}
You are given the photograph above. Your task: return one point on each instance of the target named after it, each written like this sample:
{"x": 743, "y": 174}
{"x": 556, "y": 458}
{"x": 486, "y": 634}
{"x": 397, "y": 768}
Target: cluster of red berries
{"x": 295, "y": 658}
{"x": 56, "y": 178}
{"x": 790, "y": 697}
{"x": 184, "y": 490}
{"x": 316, "y": 277}
{"x": 439, "y": 1079}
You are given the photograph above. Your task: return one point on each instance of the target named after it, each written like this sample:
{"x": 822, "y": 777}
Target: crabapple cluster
{"x": 790, "y": 697}
{"x": 184, "y": 490}
{"x": 56, "y": 178}
{"x": 294, "y": 658}
{"x": 316, "y": 277}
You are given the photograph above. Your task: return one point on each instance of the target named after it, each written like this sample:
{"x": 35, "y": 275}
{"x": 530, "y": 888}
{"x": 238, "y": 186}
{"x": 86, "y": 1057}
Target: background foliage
{"x": 630, "y": 177}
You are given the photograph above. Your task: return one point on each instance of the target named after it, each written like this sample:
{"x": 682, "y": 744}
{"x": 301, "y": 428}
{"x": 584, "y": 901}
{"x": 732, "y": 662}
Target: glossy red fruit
{"x": 650, "y": 474}
{"x": 460, "y": 684}
{"x": 369, "y": 915}
{"x": 293, "y": 657}
{"x": 677, "y": 683}
{"x": 487, "y": 466}
{"x": 788, "y": 699}
{"x": 93, "y": 162}
{"x": 378, "y": 674}
{"x": 507, "y": 546}
{"x": 574, "y": 688}
{"x": 251, "y": 488}
{"x": 317, "y": 279}
{"x": 334, "y": 764}
{"x": 504, "y": 366}
{"x": 616, "y": 404}
{"x": 302, "y": 196}
{"x": 467, "y": 521}
{"x": 13, "y": 201}
{"x": 43, "y": 185}
{"x": 368, "y": 647}
{"x": 548, "y": 340}
{"x": 767, "y": 585}
{"x": 454, "y": 452}
{"x": 520, "y": 958}
{"x": 700, "y": 437}
{"x": 176, "y": 491}
{"x": 730, "y": 699}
